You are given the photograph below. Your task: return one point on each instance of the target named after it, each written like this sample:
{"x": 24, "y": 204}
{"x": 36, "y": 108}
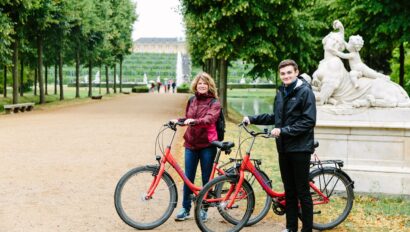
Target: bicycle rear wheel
{"x": 132, "y": 205}
{"x": 213, "y": 200}
{"x": 334, "y": 185}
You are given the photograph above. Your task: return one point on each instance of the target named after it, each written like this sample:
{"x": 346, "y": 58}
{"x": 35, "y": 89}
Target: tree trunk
{"x": 5, "y": 82}
{"x": 214, "y": 68}
{"x": 218, "y": 78}
{"x": 55, "y": 79}
{"x": 77, "y": 73}
{"x": 60, "y": 74}
{"x": 120, "y": 75}
{"x": 401, "y": 61}
{"x": 223, "y": 75}
{"x": 208, "y": 64}
{"x": 90, "y": 73}
{"x": 35, "y": 81}
{"x": 15, "y": 72}
{"x": 46, "y": 79}
{"x": 21, "y": 77}
{"x": 115, "y": 77}
{"x": 106, "y": 79}
{"x": 40, "y": 68}
{"x": 99, "y": 84}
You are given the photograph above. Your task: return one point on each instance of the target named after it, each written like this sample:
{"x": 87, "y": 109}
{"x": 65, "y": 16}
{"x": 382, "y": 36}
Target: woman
{"x": 201, "y": 114}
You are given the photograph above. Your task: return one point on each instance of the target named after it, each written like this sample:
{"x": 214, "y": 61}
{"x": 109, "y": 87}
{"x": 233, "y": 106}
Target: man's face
{"x": 288, "y": 74}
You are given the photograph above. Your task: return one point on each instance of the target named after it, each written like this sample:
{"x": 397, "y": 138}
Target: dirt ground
{"x": 59, "y": 166}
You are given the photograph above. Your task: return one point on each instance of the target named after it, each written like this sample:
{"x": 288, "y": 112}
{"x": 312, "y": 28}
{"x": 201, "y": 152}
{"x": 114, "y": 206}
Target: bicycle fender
{"x": 172, "y": 180}
{"x": 347, "y": 177}
{"x": 351, "y": 182}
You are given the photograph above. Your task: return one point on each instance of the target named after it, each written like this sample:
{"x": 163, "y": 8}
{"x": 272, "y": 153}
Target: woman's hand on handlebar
{"x": 189, "y": 121}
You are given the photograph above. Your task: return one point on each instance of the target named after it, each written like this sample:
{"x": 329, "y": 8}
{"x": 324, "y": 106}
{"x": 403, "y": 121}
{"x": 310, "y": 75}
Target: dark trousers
{"x": 192, "y": 158}
{"x": 294, "y": 169}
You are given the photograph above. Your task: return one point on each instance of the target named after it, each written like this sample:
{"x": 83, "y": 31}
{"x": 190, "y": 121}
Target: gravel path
{"x": 59, "y": 166}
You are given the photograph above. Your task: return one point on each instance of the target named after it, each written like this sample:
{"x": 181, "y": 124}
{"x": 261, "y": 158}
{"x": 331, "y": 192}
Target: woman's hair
{"x": 205, "y": 77}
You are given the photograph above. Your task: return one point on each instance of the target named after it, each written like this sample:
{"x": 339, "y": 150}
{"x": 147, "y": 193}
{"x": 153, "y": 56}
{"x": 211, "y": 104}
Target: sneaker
{"x": 204, "y": 215}
{"x": 182, "y": 215}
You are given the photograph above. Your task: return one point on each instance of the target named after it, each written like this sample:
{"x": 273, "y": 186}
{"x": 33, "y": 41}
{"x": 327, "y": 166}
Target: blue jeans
{"x": 192, "y": 157}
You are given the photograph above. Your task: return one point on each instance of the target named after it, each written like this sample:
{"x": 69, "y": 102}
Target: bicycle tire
{"x": 145, "y": 214}
{"x": 339, "y": 190}
{"x": 216, "y": 188}
{"x": 262, "y": 208}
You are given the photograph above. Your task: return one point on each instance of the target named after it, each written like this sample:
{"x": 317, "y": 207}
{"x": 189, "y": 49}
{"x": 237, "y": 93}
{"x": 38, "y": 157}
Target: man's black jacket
{"x": 295, "y": 115}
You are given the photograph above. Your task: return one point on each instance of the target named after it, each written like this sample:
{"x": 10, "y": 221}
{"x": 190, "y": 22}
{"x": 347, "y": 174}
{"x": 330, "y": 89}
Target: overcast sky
{"x": 158, "y": 18}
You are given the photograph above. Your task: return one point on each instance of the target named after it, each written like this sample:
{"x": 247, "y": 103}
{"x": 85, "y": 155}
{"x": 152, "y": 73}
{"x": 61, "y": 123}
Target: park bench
{"x": 97, "y": 97}
{"x": 22, "y": 107}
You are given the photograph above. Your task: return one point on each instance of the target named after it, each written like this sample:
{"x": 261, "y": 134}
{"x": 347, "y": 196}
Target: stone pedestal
{"x": 374, "y": 144}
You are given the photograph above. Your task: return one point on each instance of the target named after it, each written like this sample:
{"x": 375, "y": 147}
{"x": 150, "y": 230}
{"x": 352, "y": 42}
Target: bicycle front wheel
{"x": 212, "y": 210}
{"x": 263, "y": 202}
{"x": 335, "y": 186}
{"x": 132, "y": 205}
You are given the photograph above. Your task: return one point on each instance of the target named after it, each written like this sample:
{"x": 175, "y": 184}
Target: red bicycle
{"x": 331, "y": 190}
{"x": 146, "y": 196}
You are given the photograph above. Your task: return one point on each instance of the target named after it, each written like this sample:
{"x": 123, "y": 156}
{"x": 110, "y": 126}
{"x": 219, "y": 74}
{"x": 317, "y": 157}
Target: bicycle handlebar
{"x": 264, "y": 134}
{"x": 173, "y": 125}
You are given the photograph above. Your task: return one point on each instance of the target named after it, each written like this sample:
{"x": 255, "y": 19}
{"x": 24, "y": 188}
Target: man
{"x": 294, "y": 118}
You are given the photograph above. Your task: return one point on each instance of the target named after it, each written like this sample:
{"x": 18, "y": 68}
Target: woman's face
{"x": 202, "y": 87}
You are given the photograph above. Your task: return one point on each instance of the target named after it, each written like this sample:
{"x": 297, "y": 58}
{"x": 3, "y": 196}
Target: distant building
{"x": 160, "y": 45}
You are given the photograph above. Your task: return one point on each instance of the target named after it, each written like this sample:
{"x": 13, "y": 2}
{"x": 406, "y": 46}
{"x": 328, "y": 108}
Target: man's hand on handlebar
{"x": 275, "y": 132}
{"x": 246, "y": 121}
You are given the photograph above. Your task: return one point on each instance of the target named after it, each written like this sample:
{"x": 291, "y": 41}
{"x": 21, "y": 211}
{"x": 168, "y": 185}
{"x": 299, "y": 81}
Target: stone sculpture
{"x": 362, "y": 87}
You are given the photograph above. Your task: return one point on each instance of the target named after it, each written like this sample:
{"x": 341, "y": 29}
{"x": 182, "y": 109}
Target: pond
{"x": 250, "y": 105}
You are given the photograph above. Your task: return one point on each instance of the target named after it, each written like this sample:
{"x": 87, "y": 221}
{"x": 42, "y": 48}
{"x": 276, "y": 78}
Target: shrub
{"x": 184, "y": 88}
{"x": 140, "y": 89}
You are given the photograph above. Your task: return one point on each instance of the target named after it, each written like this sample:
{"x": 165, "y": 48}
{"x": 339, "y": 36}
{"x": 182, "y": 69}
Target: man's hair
{"x": 288, "y": 62}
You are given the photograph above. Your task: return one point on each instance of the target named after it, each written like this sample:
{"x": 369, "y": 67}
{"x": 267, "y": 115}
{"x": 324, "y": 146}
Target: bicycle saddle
{"x": 224, "y": 146}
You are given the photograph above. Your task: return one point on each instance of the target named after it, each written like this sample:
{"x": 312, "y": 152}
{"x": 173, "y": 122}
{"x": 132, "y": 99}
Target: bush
{"x": 140, "y": 89}
{"x": 184, "y": 88}
{"x": 251, "y": 86}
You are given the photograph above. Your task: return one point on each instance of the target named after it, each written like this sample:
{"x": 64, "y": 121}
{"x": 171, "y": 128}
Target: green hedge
{"x": 250, "y": 86}
{"x": 140, "y": 89}
{"x": 110, "y": 85}
{"x": 184, "y": 88}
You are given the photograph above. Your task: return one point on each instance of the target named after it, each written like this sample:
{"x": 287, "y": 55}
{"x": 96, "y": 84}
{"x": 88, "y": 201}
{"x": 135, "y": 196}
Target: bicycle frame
{"x": 168, "y": 158}
{"x": 247, "y": 165}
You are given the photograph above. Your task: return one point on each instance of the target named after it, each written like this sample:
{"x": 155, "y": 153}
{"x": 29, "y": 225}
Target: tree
{"x": 6, "y": 33}
{"x": 122, "y": 20}
{"x": 40, "y": 19}
{"x": 17, "y": 11}
{"x": 257, "y": 32}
